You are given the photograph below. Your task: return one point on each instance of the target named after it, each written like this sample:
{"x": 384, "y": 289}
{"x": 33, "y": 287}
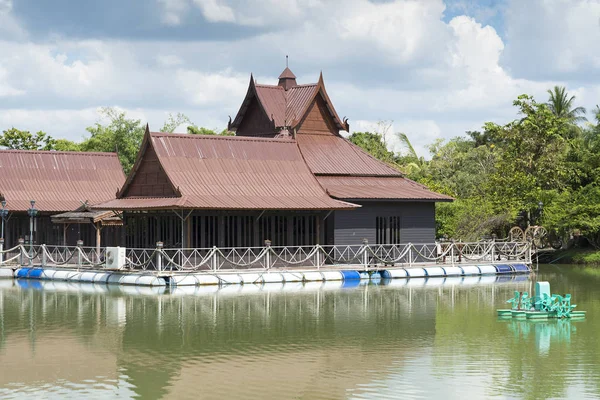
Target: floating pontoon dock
{"x": 194, "y": 267}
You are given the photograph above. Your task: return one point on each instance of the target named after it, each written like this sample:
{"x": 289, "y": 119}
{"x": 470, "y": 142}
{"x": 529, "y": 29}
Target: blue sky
{"x": 435, "y": 68}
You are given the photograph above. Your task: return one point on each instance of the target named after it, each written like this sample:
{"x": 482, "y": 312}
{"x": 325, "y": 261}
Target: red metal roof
{"x": 225, "y": 172}
{"x": 273, "y": 100}
{"x": 286, "y": 107}
{"x": 388, "y": 188}
{"x": 287, "y": 74}
{"x": 58, "y": 181}
{"x": 334, "y": 155}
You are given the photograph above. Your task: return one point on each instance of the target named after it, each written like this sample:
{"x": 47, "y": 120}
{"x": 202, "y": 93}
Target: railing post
{"x": 215, "y": 260}
{"x": 79, "y": 257}
{"x": 410, "y": 256}
{"x": 44, "y": 260}
{"x": 1, "y": 251}
{"x": 318, "y": 256}
{"x": 365, "y": 254}
{"x": 21, "y": 250}
{"x": 493, "y": 250}
{"x": 452, "y": 245}
{"x": 268, "y": 253}
{"x": 159, "y": 247}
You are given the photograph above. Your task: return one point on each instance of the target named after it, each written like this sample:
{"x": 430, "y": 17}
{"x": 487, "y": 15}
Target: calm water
{"x": 405, "y": 340}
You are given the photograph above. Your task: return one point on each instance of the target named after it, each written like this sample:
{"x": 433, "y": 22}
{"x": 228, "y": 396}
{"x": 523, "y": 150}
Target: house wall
{"x": 223, "y": 229}
{"x": 49, "y": 233}
{"x": 416, "y": 222}
{"x": 318, "y": 120}
{"x": 255, "y": 122}
{"x": 150, "y": 179}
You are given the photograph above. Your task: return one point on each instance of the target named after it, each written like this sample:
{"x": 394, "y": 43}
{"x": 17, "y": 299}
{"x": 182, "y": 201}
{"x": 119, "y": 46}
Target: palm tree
{"x": 412, "y": 163}
{"x": 562, "y": 105}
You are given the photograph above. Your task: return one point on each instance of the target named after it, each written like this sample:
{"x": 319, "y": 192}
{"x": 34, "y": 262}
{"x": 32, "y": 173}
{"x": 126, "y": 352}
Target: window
{"x": 387, "y": 230}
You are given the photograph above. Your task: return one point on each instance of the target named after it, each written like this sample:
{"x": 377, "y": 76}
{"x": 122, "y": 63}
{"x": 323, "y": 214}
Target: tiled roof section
{"x": 334, "y": 155}
{"x": 383, "y": 188}
{"x": 298, "y": 99}
{"x": 285, "y": 107}
{"x": 143, "y": 203}
{"x": 58, "y": 181}
{"x": 273, "y": 101}
{"x": 287, "y": 74}
{"x": 225, "y": 172}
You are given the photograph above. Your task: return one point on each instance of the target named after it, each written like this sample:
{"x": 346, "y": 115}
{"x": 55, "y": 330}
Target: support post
{"x": 452, "y": 251}
{"x": 318, "y": 256}
{"x": 44, "y": 259}
{"x": 365, "y": 254}
{"x": 492, "y": 251}
{"x": 159, "y": 247}
{"x": 21, "y": 251}
{"x": 410, "y": 255}
{"x": 98, "y": 237}
{"x": 79, "y": 256}
{"x": 268, "y": 253}
{"x": 214, "y": 260}
{"x": 1, "y": 250}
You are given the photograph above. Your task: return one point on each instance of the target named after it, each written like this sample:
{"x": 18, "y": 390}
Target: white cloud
{"x": 169, "y": 60}
{"x": 173, "y": 11}
{"x": 6, "y": 6}
{"x": 553, "y": 38}
{"x": 395, "y": 60}
{"x": 223, "y": 88}
{"x": 214, "y": 11}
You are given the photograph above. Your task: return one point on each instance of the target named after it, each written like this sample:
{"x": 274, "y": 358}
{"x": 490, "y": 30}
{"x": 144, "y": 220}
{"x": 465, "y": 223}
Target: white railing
{"x": 269, "y": 257}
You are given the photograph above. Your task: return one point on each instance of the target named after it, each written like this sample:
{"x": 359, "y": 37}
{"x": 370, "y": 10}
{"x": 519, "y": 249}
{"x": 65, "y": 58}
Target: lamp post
{"x": 540, "y": 210}
{"x": 3, "y": 215}
{"x": 32, "y": 212}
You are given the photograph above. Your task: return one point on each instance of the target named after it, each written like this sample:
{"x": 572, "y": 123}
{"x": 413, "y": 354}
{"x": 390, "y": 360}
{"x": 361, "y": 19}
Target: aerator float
{"x": 542, "y": 305}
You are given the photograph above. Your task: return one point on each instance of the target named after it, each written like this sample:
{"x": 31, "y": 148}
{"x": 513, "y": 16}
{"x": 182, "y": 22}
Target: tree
{"x": 66, "y": 145}
{"x": 121, "y": 135}
{"x": 373, "y": 144}
{"x": 408, "y": 159}
{"x": 562, "y": 105}
{"x": 195, "y": 130}
{"x": 24, "y": 140}
{"x": 173, "y": 122}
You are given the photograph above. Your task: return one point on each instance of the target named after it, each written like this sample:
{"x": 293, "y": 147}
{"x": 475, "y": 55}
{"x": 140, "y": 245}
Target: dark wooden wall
{"x": 224, "y": 229}
{"x": 150, "y": 179}
{"x": 255, "y": 122}
{"x": 416, "y": 222}
{"x": 49, "y": 233}
{"x": 318, "y": 120}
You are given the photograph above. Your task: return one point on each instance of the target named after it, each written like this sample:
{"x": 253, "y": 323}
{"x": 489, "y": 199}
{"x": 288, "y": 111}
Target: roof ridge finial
{"x": 286, "y": 61}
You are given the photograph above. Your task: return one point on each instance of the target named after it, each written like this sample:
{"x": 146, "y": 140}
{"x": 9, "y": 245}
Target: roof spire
{"x": 287, "y": 79}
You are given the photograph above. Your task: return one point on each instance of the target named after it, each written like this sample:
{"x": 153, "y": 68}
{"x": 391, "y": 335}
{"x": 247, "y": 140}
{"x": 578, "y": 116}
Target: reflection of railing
{"x": 270, "y": 257}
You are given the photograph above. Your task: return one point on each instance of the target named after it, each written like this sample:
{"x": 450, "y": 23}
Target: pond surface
{"x": 406, "y": 340}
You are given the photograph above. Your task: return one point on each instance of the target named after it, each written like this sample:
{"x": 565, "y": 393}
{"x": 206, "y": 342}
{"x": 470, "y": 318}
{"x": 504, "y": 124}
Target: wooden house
{"x": 59, "y": 182}
{"x": 393, "y": 209}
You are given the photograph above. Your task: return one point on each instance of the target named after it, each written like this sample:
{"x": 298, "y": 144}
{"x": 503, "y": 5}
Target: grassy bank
{"x": 581, "y": 256}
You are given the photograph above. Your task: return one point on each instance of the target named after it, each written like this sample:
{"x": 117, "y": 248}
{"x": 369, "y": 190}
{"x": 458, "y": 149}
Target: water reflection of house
{"x": 278, "y": 344}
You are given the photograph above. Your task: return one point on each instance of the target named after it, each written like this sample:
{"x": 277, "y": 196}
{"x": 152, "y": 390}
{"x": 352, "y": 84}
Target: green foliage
{"x": 16, "y": 139}
{"x": 562, "y": 105}
{"x": 588, "y": 258}
{"x": 373, "y": 144}
{"x": 66, "y": 145}
{"x": 121, "y": 134}
{"x": 174, "y": 121}
{"x": 194, "y": 130}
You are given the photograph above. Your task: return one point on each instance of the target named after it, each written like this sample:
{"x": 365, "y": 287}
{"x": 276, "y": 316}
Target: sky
{"x": 435, "y": 68}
